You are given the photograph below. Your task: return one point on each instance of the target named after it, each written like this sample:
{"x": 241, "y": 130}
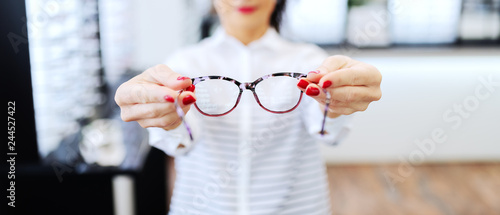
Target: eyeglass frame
{"x": 249, "y": 86}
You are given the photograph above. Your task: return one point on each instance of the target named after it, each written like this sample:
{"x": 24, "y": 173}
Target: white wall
{"x": 417, "y": 92}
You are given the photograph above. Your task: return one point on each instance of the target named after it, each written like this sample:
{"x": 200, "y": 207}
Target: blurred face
{"x": 249, "y": 14}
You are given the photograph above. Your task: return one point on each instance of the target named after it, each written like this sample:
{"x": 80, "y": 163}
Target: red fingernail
{"x": 191, "y": 88}
{"x": 303, "y": 84}
{"x": 314, "y": 72}
{"x": 326, "y": 84}
{"x": 312, "y": 91}
{"x": 182, "y": 78}
{"x": 188, "y": 100}
{"x": 169, "y": 99}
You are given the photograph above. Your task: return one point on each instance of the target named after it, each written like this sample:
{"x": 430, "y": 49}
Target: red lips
{"x": 246, "y": 10}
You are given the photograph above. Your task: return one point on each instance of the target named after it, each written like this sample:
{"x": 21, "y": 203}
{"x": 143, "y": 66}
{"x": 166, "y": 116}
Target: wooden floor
{"x": 448, "y": 189}
{"x": 440, "y": 189}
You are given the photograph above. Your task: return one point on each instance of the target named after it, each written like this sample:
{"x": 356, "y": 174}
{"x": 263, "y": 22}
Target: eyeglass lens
{"x": 216, "y": 96}
{"x": 278, "y": 94}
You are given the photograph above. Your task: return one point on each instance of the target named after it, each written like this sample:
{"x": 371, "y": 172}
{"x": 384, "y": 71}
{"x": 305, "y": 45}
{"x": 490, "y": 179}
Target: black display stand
{"x": 38, "y": 190}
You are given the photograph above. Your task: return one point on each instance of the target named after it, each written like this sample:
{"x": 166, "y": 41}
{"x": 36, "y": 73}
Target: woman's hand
{"x": 353, "y": 85}
{"x": 149, "y": 97}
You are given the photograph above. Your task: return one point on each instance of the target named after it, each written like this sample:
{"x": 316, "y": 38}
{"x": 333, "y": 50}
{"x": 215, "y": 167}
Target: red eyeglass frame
{"x": 249, "y": 86}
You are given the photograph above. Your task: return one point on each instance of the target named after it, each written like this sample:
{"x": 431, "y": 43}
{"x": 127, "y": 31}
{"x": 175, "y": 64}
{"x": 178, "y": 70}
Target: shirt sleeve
{"x": 176, "y": 142}
{"x": 336, "y": 129}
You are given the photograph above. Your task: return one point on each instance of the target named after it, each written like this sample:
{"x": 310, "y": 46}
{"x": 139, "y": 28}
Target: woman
{"x": 249, "y": 161}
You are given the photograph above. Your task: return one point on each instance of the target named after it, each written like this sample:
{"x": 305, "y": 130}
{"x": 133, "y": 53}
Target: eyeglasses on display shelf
{"x": 276, "y": 93}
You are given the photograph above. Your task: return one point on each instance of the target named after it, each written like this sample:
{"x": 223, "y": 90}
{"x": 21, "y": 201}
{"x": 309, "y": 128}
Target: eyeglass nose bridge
{"x": 247, "y": 86}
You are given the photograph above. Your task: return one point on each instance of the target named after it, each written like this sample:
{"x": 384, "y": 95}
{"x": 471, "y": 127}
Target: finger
{"x": 157, "y": 114}
{"x": 330, "y": 64}
{"x": 314, "y": 91}
{"x": 316, "y": 75}
{"x": 167, "y": 122}
{"x": 163, "y": 75}
{"x": 186, "y": 99}
{"x": 351, "y": 94}
{"x": 345, "y": 77}
{"x": 337, "y": 62}
{"x": 302, "y": 84}
{"x": 357, "y": 106}
{"x": 156, "y": 110}
{"x": 146, "y": 111}
{"x": 142, "y": 93}
{"x": 171, "y": 120}
{"x": 354, "y": 76}
{"x": 341, "y": 111}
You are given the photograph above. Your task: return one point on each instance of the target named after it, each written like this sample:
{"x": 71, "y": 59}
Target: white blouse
{"x": 250, "y": 161}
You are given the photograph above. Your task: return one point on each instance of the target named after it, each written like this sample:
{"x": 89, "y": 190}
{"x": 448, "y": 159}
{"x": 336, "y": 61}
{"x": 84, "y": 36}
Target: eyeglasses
{"x": 276, "y": 93}
{"x": 219, "y": 95}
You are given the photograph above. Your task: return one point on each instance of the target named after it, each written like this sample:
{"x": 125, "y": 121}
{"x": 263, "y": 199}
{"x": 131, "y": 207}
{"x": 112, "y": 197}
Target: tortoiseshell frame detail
{"x": 249, "y": 86}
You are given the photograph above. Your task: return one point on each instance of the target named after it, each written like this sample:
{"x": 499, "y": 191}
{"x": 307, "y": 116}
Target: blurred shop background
{"x": 440, "y": 62}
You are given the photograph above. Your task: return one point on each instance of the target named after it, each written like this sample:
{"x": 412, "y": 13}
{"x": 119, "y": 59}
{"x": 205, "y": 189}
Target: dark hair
{"x": 277, "y": 14}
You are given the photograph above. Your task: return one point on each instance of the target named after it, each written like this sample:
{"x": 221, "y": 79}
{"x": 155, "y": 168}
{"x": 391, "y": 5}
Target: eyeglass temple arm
{"x": 327, "y": 104}
{"x": 181, "y": 114}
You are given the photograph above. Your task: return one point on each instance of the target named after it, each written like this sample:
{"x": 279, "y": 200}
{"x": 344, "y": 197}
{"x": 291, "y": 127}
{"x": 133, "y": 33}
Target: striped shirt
{"x": 250, "y": 161}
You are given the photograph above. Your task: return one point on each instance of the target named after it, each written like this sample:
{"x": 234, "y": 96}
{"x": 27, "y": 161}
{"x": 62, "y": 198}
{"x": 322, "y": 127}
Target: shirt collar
{"x": 271, "y": 39}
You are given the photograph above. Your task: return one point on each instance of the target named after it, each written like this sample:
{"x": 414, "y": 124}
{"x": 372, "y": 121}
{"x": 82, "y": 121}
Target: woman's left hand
{"x": 352, "y": 84}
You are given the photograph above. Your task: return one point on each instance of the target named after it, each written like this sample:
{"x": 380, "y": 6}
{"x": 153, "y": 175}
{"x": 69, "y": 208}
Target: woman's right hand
{"x": 149, "y": 97}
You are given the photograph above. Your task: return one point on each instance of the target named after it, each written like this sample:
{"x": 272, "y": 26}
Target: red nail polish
{"x": 191, "y": 88}
{"x": 314, "y": 72}
{"x": 327, "y": 83}
{"x": 182, "y": 78}
{"x": 303, "y": 84}
{"x": 169, "y": 99}
{"x": 188, "y": 100}
{"x": 312, "y": 91}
